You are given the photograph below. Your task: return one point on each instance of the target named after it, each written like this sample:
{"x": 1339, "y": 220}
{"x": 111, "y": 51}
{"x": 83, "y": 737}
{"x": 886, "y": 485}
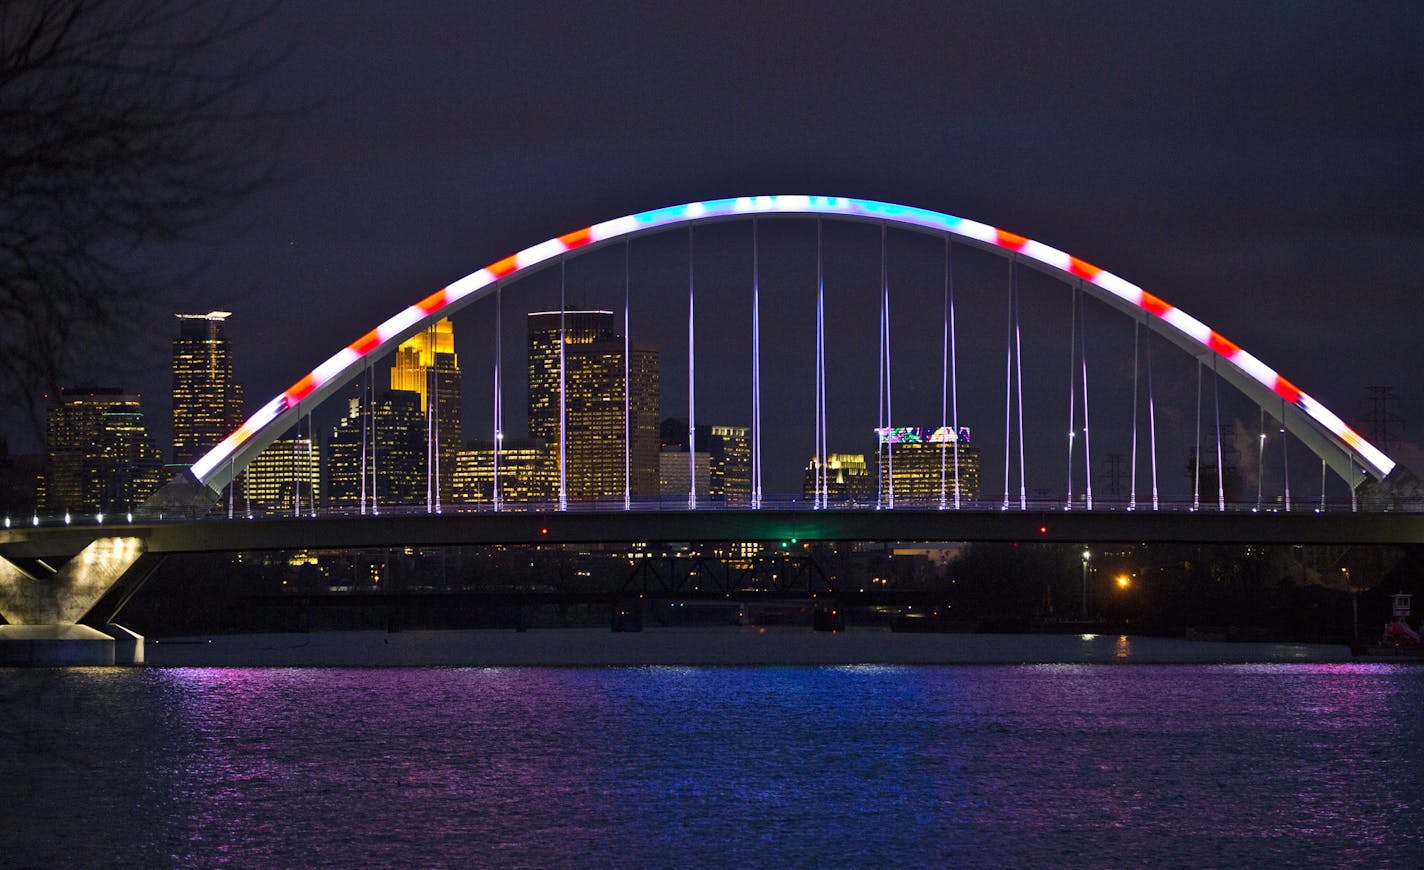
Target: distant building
{"x": 730, "y": 465}
{"x": 285, "y": 476}
{"x": 847, "y": 478}
{"x": 594, "y": 422}
{"x": 527, "y": 473}
{"x": 426, "y": 364}
{"x": 918, "y": 465}
{"x": 675, "y": 474}
{"x": 98, "y": 453}
{"x": 381, "y": 446}
{"x": 729, "y": 460}
{"x": 207, "y": 399}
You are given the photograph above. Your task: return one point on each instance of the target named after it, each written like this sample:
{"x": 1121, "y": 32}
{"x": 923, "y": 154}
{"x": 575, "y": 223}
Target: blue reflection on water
{"x": 1048, "y": 764}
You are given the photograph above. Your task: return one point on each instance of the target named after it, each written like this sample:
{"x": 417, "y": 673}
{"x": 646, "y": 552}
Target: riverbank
{"x": 705, "y": 646}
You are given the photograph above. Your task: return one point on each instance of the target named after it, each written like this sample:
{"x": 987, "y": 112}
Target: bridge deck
{"x": 578, "y": 527}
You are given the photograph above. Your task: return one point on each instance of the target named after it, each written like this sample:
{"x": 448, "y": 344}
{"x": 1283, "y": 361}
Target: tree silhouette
{"x": 125, "y": 126}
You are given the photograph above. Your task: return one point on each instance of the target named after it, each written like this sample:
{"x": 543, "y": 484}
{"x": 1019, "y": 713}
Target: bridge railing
{"x": 679, "y": 505}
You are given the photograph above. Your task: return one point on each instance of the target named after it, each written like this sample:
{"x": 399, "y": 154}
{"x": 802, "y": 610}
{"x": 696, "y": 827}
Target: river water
{"x": 1119, "y": 765}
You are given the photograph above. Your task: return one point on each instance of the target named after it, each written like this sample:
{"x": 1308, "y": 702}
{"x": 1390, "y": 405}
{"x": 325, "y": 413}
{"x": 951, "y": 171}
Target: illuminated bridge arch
{"x": 1344, "y": 450}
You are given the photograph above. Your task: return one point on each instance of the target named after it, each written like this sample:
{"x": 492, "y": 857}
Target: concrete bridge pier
{"x": 64, "y": 616}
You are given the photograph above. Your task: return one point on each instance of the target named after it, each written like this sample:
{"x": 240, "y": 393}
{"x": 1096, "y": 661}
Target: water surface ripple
{"x": 1200, "y": 765}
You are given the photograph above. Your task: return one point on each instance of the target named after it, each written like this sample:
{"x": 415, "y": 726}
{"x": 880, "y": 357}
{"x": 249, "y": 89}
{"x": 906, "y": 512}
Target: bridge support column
{"x": 44, "y": 610}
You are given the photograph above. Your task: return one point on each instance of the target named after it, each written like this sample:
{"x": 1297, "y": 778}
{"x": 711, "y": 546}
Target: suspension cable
{"x": 1152, "y": 416}
{"x": 1018, "y": 371}
{"x": 756, "y": 370}
{"x": 1196, "y": 464}
{"x": 1087, "y": 429}
{"x": 627, "y": 386}
{"x": 1132, "y": 463}
{"x": 563, "y": 503}
{"x": 953, "y": 370}
{"x": 496, "y": 496}
{"x": 1072, "y": 386}
{"x": 691, "y": 385}
{"x": 1220, "y": 465}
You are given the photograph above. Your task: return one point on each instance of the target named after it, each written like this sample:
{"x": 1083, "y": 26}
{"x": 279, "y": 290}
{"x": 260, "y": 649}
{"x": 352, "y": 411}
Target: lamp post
{"x": 1087, "y": 555}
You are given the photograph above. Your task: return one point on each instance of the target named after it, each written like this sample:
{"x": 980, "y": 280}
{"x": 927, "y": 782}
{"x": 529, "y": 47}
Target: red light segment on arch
{"x": 501, "y": 268}
{"x": 433, "y": 303}
{"x": 366, "y": 343}
{"x": 577, "y": 238}
{"x": 1224, "y": 346}
{"x": 1006, "y": 239}
{"x": 1287, "y": 390}
{"x": 1083, "y": 269}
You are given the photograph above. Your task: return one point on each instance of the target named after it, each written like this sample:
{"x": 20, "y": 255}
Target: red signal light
{"x": 544, "y": 530}
{"x": 1043, "y": 530}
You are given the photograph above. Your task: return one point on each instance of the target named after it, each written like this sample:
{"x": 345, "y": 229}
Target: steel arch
{"x": 1343, "y": 449}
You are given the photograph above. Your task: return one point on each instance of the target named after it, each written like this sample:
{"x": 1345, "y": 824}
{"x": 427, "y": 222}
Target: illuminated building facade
{"x": 594, "y": 418}
{"x": 528, "y": 472}
{"x": 284, "y": 477}
{"x": 386, "y": 447}
{"x": 207, "y": 399}
{"x": 98, "y": 453}
{"x": 847, "y": 478}
{"x": 426, "y": 364}
{"x": 920, "y": 464}
{"x": 730, "y": 473}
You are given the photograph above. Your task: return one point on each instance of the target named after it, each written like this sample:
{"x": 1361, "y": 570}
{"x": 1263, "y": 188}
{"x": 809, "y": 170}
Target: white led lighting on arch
{"x": 342, "y": 365}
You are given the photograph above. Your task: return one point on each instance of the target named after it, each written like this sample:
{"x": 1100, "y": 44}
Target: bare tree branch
{"x": 124, "y": 125}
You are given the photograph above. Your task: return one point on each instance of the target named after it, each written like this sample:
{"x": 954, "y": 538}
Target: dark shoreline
{"x": 734, "y": 646}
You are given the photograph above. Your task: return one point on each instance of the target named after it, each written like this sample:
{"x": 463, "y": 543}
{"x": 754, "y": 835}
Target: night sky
{"x": 1260, "y": 165}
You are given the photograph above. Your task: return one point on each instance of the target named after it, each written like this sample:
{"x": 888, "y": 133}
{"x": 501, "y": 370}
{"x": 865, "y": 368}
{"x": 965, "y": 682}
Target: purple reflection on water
{"x": 1048, "y": 764}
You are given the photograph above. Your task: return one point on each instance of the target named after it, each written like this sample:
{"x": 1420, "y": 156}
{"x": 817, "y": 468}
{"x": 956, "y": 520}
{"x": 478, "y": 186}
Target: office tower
{"x": 847, "y": 478}
{"x": 98, "y": 453}
{"x": 730, "y": 476}
{"x": 207, "y": 400}
{"x": 675, "y": 472}
{"x": 729, "y": 459}
{"x": 527, "y": 473}
{"x": 920, "y": 464}
{"x": 286, "y": 476}
{"x": 381, "y": 445}
{"x": 426, "y": 364}
{"x": 594, "y": 418}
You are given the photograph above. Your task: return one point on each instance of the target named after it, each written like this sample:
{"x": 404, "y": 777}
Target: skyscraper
{"x": 594, "y": 418}
{"x": 726, "y": 451}
{"x": 207, "y": 400}
{"x": 731, "y": 465}
{"x": 526, "y": 473}
{"x": 285, "y": 476}
{"x": 919, "y": 464}
{"x": 426, "y": 364}
{"x": 381, "y": 446}
{"x": 98, "y": 453}
{"x": 847, "y": 478}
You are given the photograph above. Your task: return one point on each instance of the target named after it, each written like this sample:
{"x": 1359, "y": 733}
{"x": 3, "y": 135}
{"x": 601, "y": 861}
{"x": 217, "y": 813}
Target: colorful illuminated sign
{"x": 919, "y": 435}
